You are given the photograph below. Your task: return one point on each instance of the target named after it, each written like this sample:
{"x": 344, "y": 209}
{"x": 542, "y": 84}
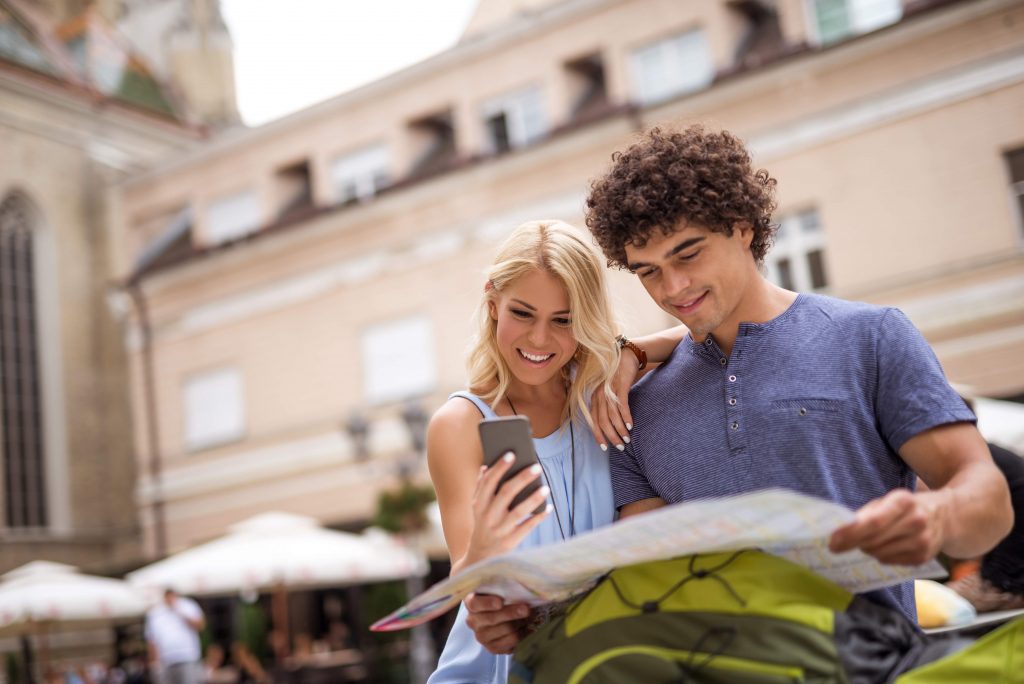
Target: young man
{"x": 835, "y": 399}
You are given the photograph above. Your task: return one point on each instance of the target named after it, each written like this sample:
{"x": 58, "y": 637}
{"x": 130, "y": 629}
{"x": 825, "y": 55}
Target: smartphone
{"x": 501, "y": 435}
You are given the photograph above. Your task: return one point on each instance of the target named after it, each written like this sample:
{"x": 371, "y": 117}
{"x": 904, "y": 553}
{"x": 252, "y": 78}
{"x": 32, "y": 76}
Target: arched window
{"x": 21, "y": 420}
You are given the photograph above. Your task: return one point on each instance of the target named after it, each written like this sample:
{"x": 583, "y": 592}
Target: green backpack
{"x": 747, "y": 617}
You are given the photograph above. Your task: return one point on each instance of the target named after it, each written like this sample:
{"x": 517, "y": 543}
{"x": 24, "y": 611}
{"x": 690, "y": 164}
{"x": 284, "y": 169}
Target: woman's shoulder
{"x": 456, "y": 416}
{"x": 452, "y": 435}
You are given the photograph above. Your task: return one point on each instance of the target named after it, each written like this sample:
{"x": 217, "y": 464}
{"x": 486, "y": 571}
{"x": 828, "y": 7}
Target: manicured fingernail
{"x": 620, "y": 447}
{"x": 508, "y": 457}
{"x": 604, "y": 447}
{"x": 545, "y": 490}
{"x": 629, "y": 426}
{"x": 626, "y": 439}
{"x": 535, "y": 469}
{"x": 549, "y": 508}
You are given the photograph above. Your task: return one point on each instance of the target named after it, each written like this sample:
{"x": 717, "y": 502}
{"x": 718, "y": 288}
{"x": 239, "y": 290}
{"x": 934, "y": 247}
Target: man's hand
{"x": 900, "y": 528}
{"x": 498, "y": 627}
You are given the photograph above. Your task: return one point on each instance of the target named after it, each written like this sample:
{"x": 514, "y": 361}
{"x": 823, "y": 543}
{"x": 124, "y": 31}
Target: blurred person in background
{"x": 546, "y": 341}
{"x": 215, "y": 669}
{"x": 249, "y": 667}
{"x": 172, "y": 633}
{"x": 997, "y": 579}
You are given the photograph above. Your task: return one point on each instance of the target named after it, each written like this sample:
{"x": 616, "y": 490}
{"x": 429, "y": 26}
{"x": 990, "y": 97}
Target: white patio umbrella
{"x": 281, "y": 551}
{"x": 1001, "y": 422}
{"x": 49, "y": 593}
{"x": 41, "y": 596}
{"x": 275, "y": 549}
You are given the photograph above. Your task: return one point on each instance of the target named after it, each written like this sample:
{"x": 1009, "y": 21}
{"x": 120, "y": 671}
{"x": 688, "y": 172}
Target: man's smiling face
{"x": 697, "y": 275}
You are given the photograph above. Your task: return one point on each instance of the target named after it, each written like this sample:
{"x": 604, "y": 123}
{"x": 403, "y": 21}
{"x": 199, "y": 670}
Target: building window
{"x": 671, "y": 67}
{"x": 214, "y": 408}
{"x": 399, "y": 360}
{"x": 232, "y": 217}
{"x": 514, "y": 120}
{"x": 432, "y": 140}
{"x": 21, "y": 406}
{"x": 588, "y": 90}
{"x": 293, "y": 187}
{"x": 362, "y": 174}
{"x": 797, "y": 261}
{"x": 1015, "y": 160}
{"x": 838, "y": 19}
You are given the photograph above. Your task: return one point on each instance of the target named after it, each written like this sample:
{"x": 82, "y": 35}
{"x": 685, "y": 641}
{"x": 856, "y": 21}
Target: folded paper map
{"x": 780, "y": 522}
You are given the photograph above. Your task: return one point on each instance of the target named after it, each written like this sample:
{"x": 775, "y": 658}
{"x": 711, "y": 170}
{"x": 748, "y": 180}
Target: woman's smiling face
{"x": 534, "y": 327}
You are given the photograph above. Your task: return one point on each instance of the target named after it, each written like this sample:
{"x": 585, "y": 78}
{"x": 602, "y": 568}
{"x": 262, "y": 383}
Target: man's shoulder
{"x": 678, "y": 365}
{"x": 838, "y": 320}
{"x": 843, "y": 312}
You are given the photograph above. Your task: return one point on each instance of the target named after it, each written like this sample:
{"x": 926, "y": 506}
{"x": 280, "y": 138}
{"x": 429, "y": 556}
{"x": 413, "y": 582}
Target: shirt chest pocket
{"x": 811, "y": 409}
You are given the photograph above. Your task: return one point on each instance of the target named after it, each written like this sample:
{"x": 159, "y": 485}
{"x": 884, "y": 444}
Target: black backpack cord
{"x": 695, "y": 573}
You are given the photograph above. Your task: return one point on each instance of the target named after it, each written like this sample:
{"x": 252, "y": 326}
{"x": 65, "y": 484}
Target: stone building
{"x": 81, "y": 110}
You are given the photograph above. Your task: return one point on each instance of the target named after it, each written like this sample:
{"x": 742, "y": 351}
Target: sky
{"x": 290, "y": 54}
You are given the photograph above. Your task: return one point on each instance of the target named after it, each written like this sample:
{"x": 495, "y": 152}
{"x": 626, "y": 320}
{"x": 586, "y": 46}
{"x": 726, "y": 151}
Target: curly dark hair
{"x": 696, "y": 175}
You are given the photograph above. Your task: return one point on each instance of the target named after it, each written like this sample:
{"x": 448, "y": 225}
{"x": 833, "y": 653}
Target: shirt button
{"x": 722, "y": 361}
{"x": 732, "y": 378}
{"x": 735, "y": 425}
{"x": 732, "y": 402}
{"x": 708, "y": 340}
{"x": 803, "y": 412}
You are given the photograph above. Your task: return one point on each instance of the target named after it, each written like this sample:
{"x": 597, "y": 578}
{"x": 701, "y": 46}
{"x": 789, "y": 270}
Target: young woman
{"x": 546, "y": 342}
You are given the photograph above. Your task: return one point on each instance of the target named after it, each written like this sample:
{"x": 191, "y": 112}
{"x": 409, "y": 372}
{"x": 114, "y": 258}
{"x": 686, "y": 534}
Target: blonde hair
{"x": 555, "y": 248}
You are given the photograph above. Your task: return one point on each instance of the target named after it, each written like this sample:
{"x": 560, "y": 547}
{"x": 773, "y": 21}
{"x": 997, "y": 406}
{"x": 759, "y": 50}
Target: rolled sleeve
{"x": 913, "y": 394}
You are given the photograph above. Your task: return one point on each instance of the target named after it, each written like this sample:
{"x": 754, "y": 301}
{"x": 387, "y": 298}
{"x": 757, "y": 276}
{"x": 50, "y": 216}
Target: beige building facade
{"x": 285, "y": 284}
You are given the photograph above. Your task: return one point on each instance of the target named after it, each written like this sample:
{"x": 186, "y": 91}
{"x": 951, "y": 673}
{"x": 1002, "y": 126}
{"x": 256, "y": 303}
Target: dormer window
{"x": 293, "y": 189}
{"x": 514, "y": 120}
{"x": 588, "y": 90}
{"x": 671, "y": 67}
{"x": 432, "y": 138}
{"x": 362, "y": 174}
{"x": 835, "y": 20}
{"x": 230, "y": 217}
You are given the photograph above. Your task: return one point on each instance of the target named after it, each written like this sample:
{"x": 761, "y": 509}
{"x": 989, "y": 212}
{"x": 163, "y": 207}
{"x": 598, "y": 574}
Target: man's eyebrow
{"x": 684, "y": 245}
{"x": 533, "y": 308}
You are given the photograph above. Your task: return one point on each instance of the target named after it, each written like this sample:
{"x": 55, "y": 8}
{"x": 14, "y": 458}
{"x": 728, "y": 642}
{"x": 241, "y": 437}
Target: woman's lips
{"x": 535, "y": 359}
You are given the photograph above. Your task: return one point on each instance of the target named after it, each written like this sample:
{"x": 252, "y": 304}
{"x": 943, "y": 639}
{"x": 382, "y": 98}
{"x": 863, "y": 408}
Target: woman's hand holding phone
{"x": 497, "y": 528}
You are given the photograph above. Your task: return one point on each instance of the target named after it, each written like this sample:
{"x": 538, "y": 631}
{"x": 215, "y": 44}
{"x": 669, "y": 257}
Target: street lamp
{"x": 416, "y": 422}
{"x": 358, "y": 430}
{"x": 415, "y": 419}
{"x": 423, "y": 656}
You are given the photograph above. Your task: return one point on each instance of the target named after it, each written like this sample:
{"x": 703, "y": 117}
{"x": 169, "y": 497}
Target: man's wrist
{"x": 638, "y": 352}
{"x": 942, "y": 502}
